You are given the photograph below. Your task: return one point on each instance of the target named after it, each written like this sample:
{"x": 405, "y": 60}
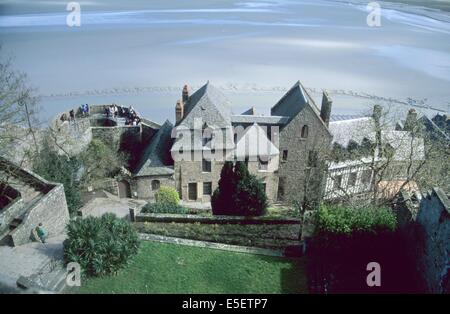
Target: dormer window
{"x": 304, "y": 131}
{"x": 263, "y": 164}
{"x": 206, "y": 134}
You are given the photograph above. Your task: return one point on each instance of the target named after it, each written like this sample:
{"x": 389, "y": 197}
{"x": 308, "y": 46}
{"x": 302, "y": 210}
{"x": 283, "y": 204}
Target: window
{"x": 351, "y": 179}
{"x": 305, "y": 131}
{"x": 264, "y": 187}
{"x": 206, "y": 165}
{"x": 285, "y": 155}
{"x": 206, "y": 134}
{"x": 192, "y": 191}
{"x": 338, "y": 182}
{"x": 155, "y": 185}
{"x": 366, "y": 176}
{"x": 312, "y": 158}
{"x": 207, "y": 188}
{"x": 263, "y": 164}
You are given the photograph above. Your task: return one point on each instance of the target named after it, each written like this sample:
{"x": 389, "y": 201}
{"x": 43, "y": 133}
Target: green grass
{"x": 170, "y": 268}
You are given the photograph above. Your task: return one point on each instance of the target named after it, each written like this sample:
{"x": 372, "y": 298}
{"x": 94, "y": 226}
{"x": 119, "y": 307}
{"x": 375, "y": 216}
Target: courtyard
{"x": 170, "y": 268}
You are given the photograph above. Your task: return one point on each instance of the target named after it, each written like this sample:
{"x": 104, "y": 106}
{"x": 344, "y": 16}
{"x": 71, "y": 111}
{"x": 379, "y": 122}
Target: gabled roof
{"x": 156, "y": 159}
{"x": 251, "y": 111}
{"x": 294, "y": 101}
{"x": 254, "y": 143}
{"x": 344, "y": 131}
{"x": 209, "y": 104}
{"x": 249, "y": 119}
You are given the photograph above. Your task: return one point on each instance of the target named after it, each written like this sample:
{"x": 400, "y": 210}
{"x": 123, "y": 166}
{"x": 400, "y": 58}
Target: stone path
{"x": 99, "y": 206}
{"x": 28, "y": 259}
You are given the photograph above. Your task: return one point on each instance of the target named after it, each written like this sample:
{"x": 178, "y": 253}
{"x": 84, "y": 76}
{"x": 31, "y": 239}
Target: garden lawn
{"x": 170, "y": 268}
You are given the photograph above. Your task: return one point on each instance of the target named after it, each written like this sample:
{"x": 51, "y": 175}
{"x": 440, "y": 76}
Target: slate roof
{"x": 254, "y": 143}
{"x": 156, "y": 159}
{"x": 209, "y": 104}
{"x": 344, "y": 131}
{"x": 251, "y": 111}
{"x": 357, "y": 129}
{"x": 249, "y": 119}
{"x": 294, "y": 101}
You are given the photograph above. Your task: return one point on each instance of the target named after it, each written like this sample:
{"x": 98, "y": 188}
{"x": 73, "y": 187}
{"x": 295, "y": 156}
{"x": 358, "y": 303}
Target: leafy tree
{"x": 100, "y": 161}
{"x": 239, "y": 192}
{"x": 219, "y": 203}
{"x": 62, "y": 169}
{"x": 101, "y": 245}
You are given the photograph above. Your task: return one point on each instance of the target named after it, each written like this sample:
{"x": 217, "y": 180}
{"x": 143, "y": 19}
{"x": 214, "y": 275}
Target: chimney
{"x": 376, "y": 115}
{"x": 185, "y": 94}
{"x": 411, "y": 120}
{"x": 179, "y": 111}
{"x": 325, "y": 111}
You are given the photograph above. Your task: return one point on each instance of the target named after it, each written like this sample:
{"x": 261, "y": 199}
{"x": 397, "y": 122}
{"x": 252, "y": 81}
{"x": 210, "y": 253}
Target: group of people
{"x": 84, "y": 109}
{"x": 130, "y": 115}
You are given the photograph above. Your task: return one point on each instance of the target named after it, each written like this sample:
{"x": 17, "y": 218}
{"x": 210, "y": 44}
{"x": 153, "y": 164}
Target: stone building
{"x": 353, "y": 175}
{"x": 284, "y": 149}
{"x": 27, "y": 200}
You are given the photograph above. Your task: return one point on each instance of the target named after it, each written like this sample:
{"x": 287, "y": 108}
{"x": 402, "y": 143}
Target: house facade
{"x": 283, "y": 150}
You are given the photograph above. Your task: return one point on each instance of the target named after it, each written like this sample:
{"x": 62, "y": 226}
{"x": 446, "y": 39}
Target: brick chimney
{"x": 376, "y": 115}
{"x": 179, "y": 111}
{"x": 185, "y": 94}
{"x": 325, "y": 110}
{"x": 411, "y": 120}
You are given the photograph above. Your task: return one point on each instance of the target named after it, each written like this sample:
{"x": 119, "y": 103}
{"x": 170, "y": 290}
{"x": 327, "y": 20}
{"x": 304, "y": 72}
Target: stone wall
{"x": 51, "y": 210}
{"x": 113, "y": 135}
{"x": 296, "y": 179}
{"x": 434, "y": 218}
{"x": 425, "y": 223}
{"x": 269, "y": 177}
{"x": 143, "y": 185}
{"x": 191, "y": 172}
{"x": 14, "y": 209}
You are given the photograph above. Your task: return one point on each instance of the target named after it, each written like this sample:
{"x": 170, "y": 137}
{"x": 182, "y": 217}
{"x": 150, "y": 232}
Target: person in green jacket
{"x": 42, "y": 234}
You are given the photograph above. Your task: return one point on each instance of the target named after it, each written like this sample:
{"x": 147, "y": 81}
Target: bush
{"x": 239, "y": 193}
{"x": 345, "y": 221}
{"x": 346, "y": 240}
{"x": 101, "y": 245}
{"x": 167, "y": 195}
{"x": 164, "y": 208}
{"x": 58, "y": 168}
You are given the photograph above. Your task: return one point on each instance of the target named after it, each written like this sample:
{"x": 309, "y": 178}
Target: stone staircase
{"x": 51, "y": 278}
{"x": 35, "y": 266}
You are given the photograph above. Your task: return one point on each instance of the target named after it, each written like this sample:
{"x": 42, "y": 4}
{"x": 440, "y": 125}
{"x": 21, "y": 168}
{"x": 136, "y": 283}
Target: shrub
{"x": 167, "y": 195}
{"x": 239, "y": 192}
{"x": 220, "y": 200}
{"x": 346, "y": 240}
{"x": 58, "y": 168}
{"x": 250, "y": 197}
{"x": 101, "y": 245}
{"x": 345, "y": 221}
{"x": 164, "y": 208}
